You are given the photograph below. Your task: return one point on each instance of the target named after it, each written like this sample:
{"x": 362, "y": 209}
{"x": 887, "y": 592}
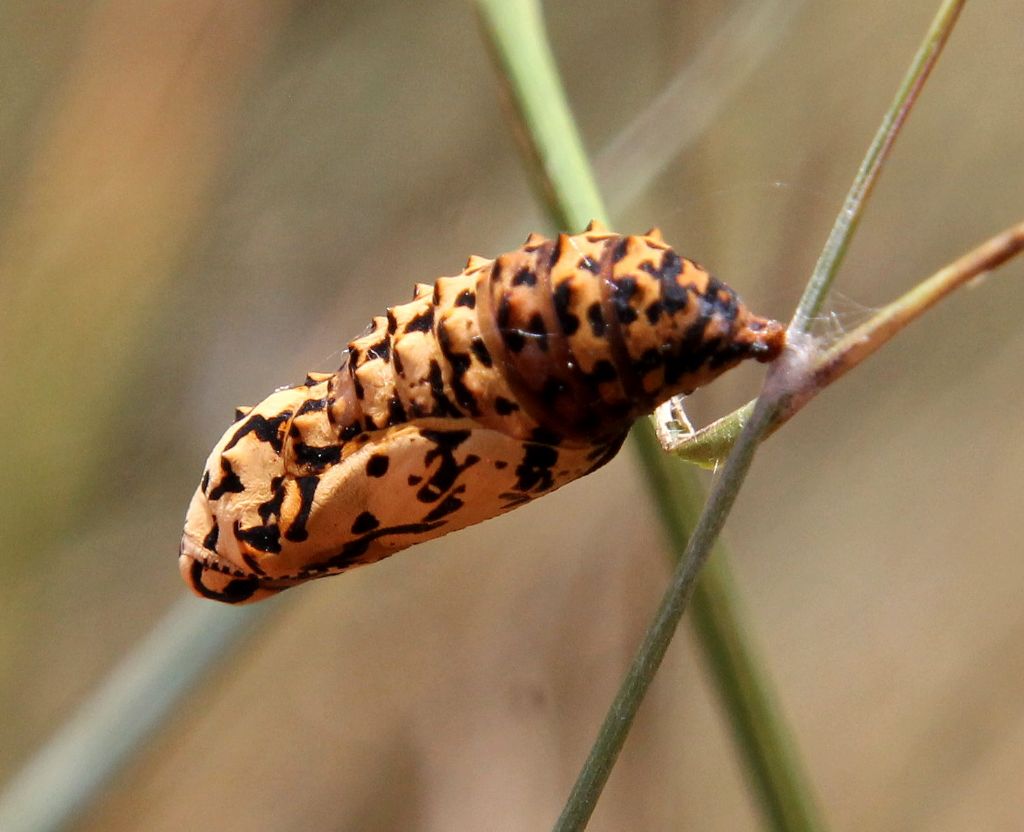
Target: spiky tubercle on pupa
{"x": 578, "y": 335}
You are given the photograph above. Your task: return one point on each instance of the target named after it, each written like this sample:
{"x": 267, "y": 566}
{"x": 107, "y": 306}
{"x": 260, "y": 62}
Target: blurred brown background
{"x": 201, "y": 200}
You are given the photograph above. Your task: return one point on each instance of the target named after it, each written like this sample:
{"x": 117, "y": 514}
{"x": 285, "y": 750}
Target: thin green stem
{"x": 720, "y": 622}
{"x": 741, "y": 680}
{"x": 548, "y": 137}
{"x": 613, "y": 732}
{"x": 846, "y": 223}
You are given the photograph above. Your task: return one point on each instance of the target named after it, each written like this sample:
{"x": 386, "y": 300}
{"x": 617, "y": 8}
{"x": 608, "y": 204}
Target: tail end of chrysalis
{"x": 765, "y": 338}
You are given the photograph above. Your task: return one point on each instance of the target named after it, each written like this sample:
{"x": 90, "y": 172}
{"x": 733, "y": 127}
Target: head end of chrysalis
{"x": 217, "y": 584}
{"x": 213, "y": 585}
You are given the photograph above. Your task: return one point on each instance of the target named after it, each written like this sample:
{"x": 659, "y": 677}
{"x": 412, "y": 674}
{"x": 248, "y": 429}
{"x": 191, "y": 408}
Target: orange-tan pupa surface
{"x": 487, "y": 390}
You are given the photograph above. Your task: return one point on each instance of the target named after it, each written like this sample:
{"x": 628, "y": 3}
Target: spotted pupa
{"x": 487, "y": 390}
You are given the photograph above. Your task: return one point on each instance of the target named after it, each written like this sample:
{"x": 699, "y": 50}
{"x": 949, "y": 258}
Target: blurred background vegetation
{"x": 202, "y": 200}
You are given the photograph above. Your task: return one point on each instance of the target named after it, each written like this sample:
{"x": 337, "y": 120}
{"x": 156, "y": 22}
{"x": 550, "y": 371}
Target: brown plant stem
{"x": 713, "y": 442}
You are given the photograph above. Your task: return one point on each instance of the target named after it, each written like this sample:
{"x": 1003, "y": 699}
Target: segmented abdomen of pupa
{"x": 487, "y": 390}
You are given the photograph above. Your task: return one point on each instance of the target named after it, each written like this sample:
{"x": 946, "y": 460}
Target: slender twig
{"x": 710, "y": 444}
{"x": 846, "y": 223}
{"x": 651, "y": 652}
{"x": 740, "y": 676}
{"x": 866, "y": 339}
